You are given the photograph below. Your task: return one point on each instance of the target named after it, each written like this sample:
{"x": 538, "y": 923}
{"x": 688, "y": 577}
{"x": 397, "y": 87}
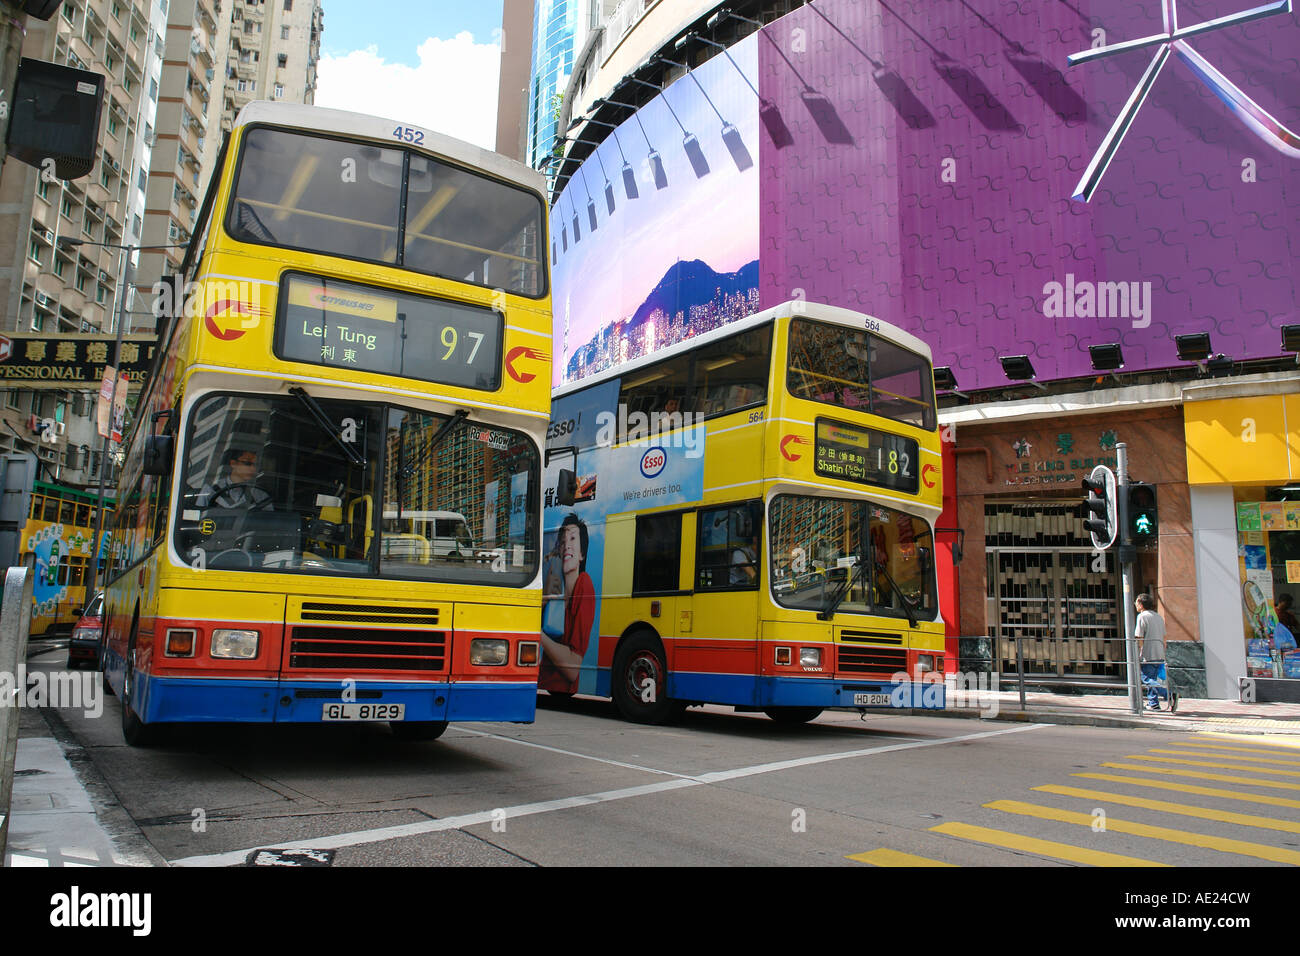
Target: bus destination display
{"x": 865, "y": 455}
{"x": 343, "y": 325}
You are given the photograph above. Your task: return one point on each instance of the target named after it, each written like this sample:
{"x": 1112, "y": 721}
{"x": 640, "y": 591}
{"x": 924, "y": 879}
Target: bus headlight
{"x": 810, "y": 657}
{"x": 924, "y": 663}
{"x": 488, "y": 652}
{"x": 234, "y": 645}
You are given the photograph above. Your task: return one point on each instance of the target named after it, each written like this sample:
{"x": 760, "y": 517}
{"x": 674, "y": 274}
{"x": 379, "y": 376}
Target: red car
{"x": 85, "y": 641}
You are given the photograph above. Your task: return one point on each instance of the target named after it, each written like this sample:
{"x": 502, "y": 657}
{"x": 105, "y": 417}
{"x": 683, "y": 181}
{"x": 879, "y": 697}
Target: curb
{"x": 121, "y": 827}
{"x": 1167, "y": 724}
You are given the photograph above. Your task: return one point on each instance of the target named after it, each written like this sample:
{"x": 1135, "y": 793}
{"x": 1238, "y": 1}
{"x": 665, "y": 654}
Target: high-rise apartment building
{"x": 554, "y": 22}
{"x": 177, "y": 73}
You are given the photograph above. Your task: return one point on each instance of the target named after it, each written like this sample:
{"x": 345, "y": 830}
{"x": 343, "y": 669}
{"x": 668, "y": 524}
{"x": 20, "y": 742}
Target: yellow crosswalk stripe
{"x": 1202, "y": 753}
{"x": 1193, "y": 788}
{"x": 1248, "y": 750}
{"x": 1215, "y": 766}
{"x": 884, "y": 857}
{"x": 1182, "y": 809}
{"x": 1290, "y": 743}
{"x": 1221, "y": 777}
{"x": 1059, "y": 851}
{"x": 1186, "y": 837}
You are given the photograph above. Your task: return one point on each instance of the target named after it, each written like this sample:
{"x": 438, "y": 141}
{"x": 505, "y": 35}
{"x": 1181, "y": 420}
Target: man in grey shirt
{"x": 1150, "y": 630}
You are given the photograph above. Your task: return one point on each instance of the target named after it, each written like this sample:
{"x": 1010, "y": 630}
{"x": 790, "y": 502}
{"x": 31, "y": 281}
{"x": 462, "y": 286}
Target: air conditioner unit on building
{"x": 49, "y": 236}
{"x": 42, "y": 299}
{"x": 210, "y": 73}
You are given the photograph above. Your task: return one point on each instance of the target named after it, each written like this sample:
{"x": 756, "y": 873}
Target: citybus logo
{"x": 792, "y": 440}
{"x": 224, "y": 306}
{"x": 653, "y": 462}
{"x": 925, "y": 476}
{"x": 522, "y": 351}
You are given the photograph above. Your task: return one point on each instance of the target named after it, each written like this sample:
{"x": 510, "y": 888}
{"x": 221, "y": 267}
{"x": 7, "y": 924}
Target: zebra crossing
{"x": 1142, "y": 809}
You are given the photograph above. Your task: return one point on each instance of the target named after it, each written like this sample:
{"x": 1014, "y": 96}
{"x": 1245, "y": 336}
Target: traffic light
{"x": 1141, "y": 517}
{"x": 1101, "y": 519}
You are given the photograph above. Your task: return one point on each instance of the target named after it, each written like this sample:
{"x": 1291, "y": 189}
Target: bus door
{"x": 717, "y": 658}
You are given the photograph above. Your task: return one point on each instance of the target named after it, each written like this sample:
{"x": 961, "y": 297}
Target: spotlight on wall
{"x": 1291, "y": 339}
{"x": 1106, "y": 358}
{"x": 944, "y": 380}
{"x": 1219, "y": 365}
{"x": 1017, "y": 367}
{"x": 1193, "y": 347}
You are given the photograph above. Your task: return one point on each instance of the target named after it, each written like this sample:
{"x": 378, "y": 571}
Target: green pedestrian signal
{"x": 1143, "y": 519}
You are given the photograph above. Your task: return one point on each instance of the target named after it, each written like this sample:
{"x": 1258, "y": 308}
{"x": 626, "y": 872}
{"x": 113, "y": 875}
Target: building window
{"x": 58, "y": 267}
{"x": 100, "y": 294}
{"x": 81, "y": 281}
{"x": 282, "y": 60}
{"x": 153, "y": 88}
{"x": 43, "y": 189}
{"x": 288, "y": 4}
{"x": 34, "y": 252}
{"x": 112, "y": 125}
{"x": 117, "y": 12}
{"x": 284, "y": 33}
{"x": 69, "y": 13}
{"x": 279, "y": 90}
{"x": 65, "y": 208}
{"x": 11, "y": 399}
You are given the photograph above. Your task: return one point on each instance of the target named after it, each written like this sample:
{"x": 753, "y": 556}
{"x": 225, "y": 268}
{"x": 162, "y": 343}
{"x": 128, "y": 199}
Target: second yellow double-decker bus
{"x": 754, "y": 523}
{"x": 331, "y": 500}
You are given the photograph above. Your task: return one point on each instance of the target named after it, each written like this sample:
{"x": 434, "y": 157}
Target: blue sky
{"x": 352, "y": 25}
{"x": 430, "y": 63}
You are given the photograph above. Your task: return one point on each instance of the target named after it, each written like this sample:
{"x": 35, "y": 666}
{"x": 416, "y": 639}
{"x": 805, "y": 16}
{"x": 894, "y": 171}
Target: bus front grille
{"x": 370, "y": 614}
{"x": 883, "y": 661}
{"x": 345, "y": 648}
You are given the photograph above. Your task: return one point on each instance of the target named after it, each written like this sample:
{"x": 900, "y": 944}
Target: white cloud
{"x": 452, "y": 91}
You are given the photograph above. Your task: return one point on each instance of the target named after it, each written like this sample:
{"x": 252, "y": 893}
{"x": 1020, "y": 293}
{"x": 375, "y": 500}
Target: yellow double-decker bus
{"x": 754, "y": 523}
{"x": 331, "y": 500}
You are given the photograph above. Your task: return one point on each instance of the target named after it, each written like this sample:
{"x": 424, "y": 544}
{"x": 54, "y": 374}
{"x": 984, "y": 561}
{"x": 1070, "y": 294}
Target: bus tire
{"x": 641, "y": 658}
{"x": 135, "y": 731}
{"x": 793, "y": 715}
{"x": 417, "y": 729}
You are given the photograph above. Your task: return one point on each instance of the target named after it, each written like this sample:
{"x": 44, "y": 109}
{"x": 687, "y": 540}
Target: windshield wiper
{"x": 327, "y": 426}
{"x": 837, "y": 596}
{"x": 406, "y": 471}
{"x": 907, "y": 605}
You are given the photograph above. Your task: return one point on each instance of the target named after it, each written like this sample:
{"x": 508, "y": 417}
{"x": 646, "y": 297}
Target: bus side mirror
{"x": 158, "y": 455}
{"x": 566, "y": 487}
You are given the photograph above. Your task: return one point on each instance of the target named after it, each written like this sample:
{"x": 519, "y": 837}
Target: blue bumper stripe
{"x": 181, "y": 699}
{"x": 746, "y": 691}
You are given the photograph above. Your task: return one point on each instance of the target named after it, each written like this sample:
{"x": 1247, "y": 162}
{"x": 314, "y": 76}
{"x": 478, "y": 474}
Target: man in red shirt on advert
{"x": 562, "y": 659}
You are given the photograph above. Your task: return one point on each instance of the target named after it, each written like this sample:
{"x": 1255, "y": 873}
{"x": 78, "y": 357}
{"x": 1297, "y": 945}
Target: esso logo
{"x": 653, "y": 462}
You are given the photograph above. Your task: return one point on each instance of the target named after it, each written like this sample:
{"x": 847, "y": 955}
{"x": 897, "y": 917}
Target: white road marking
{"x": 361, "y": 837}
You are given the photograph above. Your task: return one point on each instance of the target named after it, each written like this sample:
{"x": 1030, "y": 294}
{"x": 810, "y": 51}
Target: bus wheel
{"x": 793, "y": 715}
{"x": 640, "y": 682}
{"x": 417, "y": 729}
{"x": 134, "y": 730}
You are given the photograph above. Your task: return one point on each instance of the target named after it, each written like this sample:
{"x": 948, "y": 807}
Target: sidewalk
{"x": 60, "y": 817}
{"x": 1105, "y": 710}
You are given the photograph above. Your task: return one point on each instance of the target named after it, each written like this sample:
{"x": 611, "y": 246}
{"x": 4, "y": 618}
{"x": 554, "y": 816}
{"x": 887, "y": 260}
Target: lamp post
{"x": 127, "y": 284}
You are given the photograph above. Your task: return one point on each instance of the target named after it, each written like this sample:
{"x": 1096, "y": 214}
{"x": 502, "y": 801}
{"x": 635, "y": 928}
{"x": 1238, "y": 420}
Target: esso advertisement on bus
{"x": 653, "y": 462}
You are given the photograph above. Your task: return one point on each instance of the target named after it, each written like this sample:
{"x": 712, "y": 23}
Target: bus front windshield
{"x": 394, "y": 206}
{"x": 857, "y": 370}
{"x": 290, "y": 483}
{"x": 833, "y": 555}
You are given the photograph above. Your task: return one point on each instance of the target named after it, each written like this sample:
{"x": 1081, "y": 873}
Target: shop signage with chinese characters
{"x": 70, "y": 361}
{"x": 1075, "y": 456}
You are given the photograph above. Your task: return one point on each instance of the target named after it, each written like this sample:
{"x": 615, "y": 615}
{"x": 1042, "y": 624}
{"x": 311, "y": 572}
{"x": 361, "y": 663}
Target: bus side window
{"x": 657, "y": 553}
{"x": 38, "y": 505}
{"x": 51, "y": 513}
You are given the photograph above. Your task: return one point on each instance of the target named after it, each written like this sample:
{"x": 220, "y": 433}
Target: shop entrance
{"x": 1047, "y": 586}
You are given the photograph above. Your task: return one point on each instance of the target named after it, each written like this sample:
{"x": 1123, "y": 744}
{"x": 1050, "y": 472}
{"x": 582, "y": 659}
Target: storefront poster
{"x": 1271, "y": 517}
{"x": 1293, "y": 572}
{"x": 1248, "y": 516}
{"x": 1256, "y": 558}
{"x": 1292, "y": 517}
